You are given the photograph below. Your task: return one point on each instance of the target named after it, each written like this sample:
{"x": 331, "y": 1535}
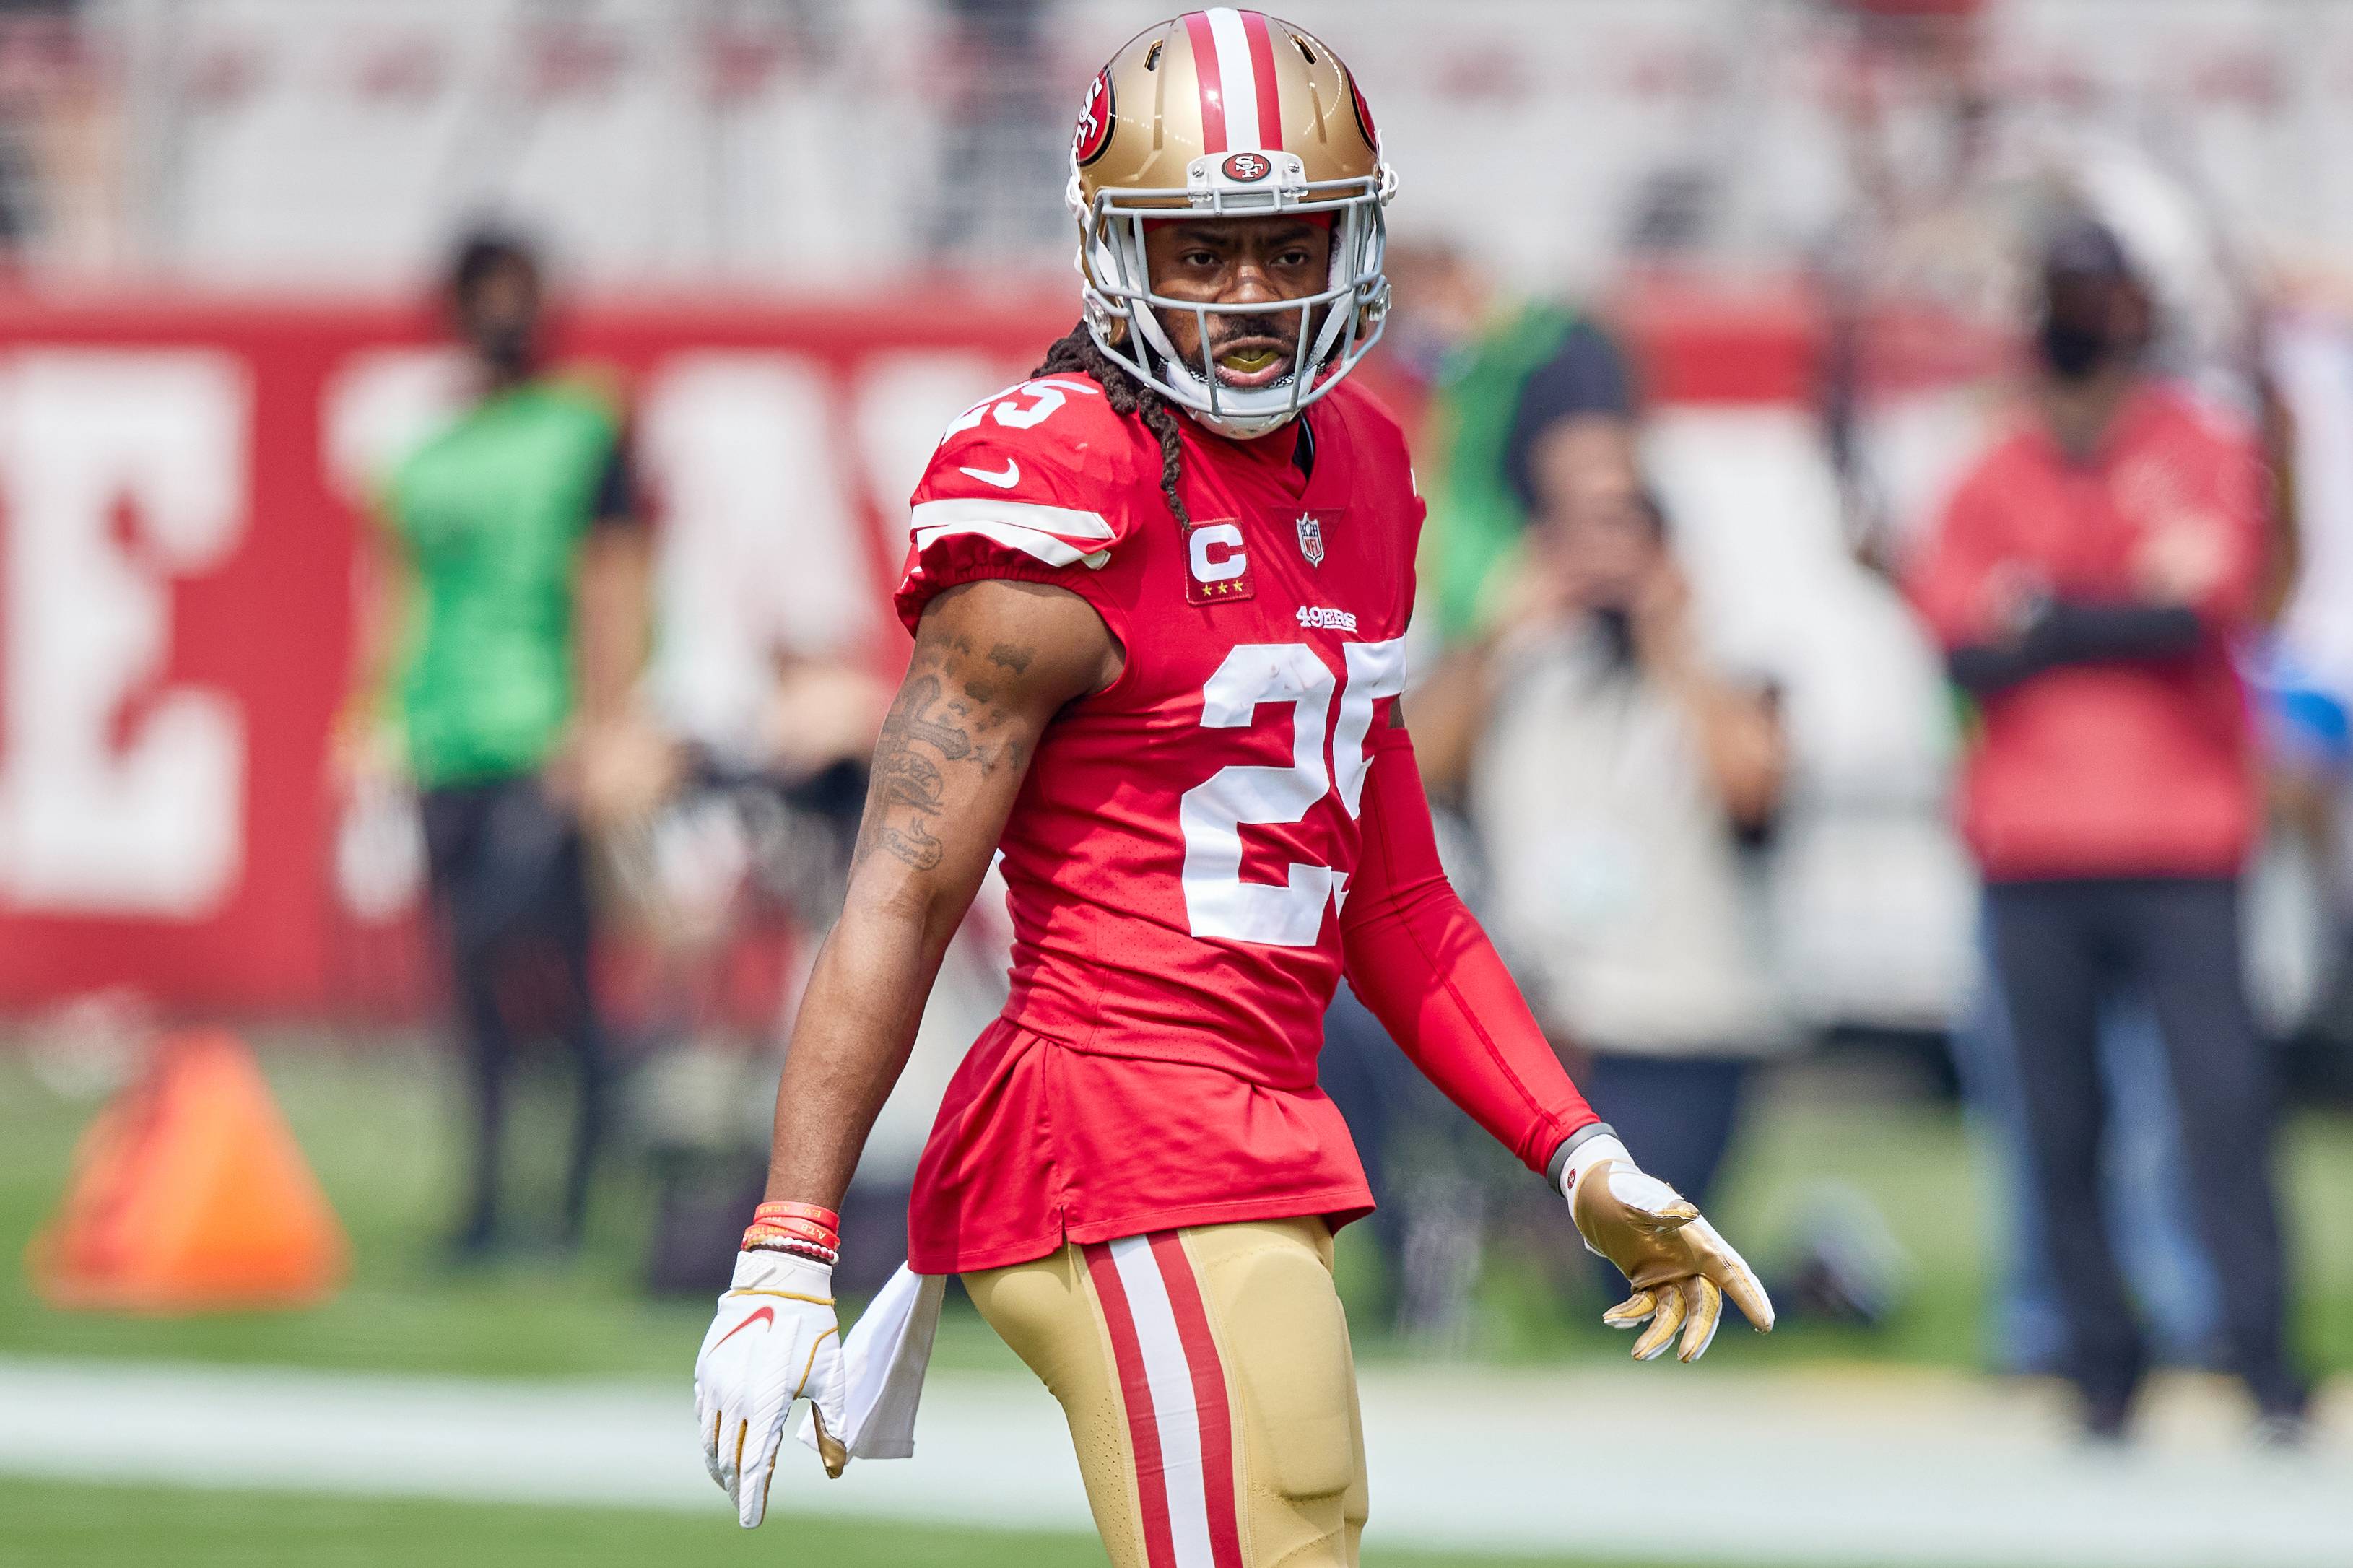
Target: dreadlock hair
{"x": 1077, "y": 350}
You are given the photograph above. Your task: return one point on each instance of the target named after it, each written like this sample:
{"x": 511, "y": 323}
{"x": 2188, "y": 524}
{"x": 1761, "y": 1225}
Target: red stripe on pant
{"x": 1213, "y": 92}
{"x": 1270, "y": 101}
{"x": 1136, "y": 1395}
{"x": 1212, "y": 1414}
{"x": 1208, "y": 1394}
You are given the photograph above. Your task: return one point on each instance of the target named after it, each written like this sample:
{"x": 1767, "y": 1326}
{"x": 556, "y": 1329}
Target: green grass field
{"x": 76, "y": 1526}
{"x": 376, "y": 1125}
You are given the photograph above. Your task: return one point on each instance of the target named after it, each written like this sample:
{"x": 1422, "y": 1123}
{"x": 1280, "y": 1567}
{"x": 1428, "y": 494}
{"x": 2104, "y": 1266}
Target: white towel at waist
{"x": 884, "y": 1362}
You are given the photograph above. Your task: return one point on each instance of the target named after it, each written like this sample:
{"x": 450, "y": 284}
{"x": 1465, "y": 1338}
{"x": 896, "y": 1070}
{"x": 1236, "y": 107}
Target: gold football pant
{"x": 1209, "y": 1387}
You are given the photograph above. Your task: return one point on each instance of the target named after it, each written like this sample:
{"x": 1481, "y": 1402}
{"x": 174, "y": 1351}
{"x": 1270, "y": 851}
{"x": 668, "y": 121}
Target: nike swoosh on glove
{"x": 774, "y": 1342}
{"x": 1680, "y": 1269}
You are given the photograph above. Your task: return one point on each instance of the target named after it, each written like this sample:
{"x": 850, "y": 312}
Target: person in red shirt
{"x": 2087, "y": 580}
{"x": 1159, "y": 594}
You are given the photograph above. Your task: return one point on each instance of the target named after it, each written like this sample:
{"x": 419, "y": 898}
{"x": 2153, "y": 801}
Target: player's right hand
{"x": 1680, "y": 1268}
{"x": 774, "y": 1341}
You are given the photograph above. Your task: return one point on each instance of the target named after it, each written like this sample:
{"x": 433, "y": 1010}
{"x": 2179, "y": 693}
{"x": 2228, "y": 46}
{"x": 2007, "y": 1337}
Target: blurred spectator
{"x": 1923, "y": 273}
{"x": 1514, "y": 384}
{"x": 2086, "y": 580}
{"x": 1511, "y": 383}
{"x": 1610, "y": 765}
{"x": 519, "y": 594}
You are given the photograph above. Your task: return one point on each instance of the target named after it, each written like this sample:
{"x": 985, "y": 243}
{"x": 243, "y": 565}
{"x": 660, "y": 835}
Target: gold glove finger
{"x": 828, "y": 1446}
{"x": 1633, "y": 1311}
{"x": 1706, "y": 1312}
{"x": 1749, "y": 1297}
{"x": 1730, "y": 1270}
{"x": 1661, "y": 1332}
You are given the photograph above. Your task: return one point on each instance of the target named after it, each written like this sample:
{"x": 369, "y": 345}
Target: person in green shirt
{"x": 518, "y": 587}
{"x": 1517, "y": 386}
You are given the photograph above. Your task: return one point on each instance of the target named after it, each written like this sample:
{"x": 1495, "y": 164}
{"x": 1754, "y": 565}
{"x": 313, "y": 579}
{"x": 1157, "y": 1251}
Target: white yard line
{"x": 1818, "y": 1467}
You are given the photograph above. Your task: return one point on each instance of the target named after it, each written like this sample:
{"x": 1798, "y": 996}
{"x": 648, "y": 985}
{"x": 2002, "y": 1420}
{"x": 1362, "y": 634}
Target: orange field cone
{"x": 189, "y": 1193}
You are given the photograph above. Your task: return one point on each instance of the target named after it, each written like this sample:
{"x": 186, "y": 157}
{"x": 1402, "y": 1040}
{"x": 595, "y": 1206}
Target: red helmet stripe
{"x": 1262, "y": 59}
{"x": 1204, "y": 66}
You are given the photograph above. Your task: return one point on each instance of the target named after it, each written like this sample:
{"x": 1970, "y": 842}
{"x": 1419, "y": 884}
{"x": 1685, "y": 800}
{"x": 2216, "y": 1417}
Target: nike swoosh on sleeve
{"x": 1004, "y": 481}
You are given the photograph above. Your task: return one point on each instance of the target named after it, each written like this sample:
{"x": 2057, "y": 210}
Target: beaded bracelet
{"x": 809, "y": 1249}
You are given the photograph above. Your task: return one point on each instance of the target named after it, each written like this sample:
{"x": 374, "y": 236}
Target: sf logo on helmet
{"x": 1248, "y": 166}
{"x": 1093, "y": 133}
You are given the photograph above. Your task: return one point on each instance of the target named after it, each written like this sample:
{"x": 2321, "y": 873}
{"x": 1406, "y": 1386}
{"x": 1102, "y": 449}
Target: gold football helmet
{"x": 1235, "y": 114}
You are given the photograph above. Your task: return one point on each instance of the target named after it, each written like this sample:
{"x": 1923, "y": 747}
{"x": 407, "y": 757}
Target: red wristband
{"x": 777, "y": 1209}
{"x": 796, "y": 1227}
{"x": 802, "y": 1229}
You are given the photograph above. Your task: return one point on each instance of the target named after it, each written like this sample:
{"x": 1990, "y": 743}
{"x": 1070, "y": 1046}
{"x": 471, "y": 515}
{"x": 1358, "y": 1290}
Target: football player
{"x": 1159, "y": 595}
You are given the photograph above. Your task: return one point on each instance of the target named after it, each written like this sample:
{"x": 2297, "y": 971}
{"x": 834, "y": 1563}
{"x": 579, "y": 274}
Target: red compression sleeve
{"x": 1417, "y": 959}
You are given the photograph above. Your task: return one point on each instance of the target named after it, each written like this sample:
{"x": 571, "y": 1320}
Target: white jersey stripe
{"x": 1174, "y": 1415}
{"x": 1054, "y": 534}
{"x": 1236, "y": 80}
{"x": 1045, "y": 547}
{"x": 1069, "y": 521}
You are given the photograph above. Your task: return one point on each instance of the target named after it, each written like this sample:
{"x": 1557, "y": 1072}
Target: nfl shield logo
{"x": 1311, "y": 538}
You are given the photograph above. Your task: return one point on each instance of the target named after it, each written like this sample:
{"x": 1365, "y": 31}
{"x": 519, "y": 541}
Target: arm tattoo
{"x": 913, "y": 712}
{"x": 903, "y": 797}
{"x": 908, "y": 791}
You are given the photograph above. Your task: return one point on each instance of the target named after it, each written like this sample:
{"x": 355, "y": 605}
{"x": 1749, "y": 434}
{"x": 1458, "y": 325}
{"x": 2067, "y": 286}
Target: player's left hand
{"x": 1680, "y": 1268}
{"x": 774, "y": 1341}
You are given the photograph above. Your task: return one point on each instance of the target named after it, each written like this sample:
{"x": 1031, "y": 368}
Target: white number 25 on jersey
{"x": 1217, "y": 902}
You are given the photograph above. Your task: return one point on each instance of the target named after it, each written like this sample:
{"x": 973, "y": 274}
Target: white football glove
{"x": 774, "y": 1342}
{"x": 1680, "y": 1268}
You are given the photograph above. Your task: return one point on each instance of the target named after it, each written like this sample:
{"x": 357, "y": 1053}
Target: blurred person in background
{"x": 1944, "y": 166}
{"x": 512, "y": 629}
{"x": 1501, "y": 369}
{"x": 1612, "y": 765}
{"x": 2087, "y": 580}
{"x": 1493, "y": 368}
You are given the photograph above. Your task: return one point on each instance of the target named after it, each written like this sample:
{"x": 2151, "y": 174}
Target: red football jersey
{"x": 1182, "y": 843}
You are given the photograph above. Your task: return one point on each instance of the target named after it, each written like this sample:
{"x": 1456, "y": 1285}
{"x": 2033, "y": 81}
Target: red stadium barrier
{"x": 180, "y": 490}
{"x": 181, "y": 487}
